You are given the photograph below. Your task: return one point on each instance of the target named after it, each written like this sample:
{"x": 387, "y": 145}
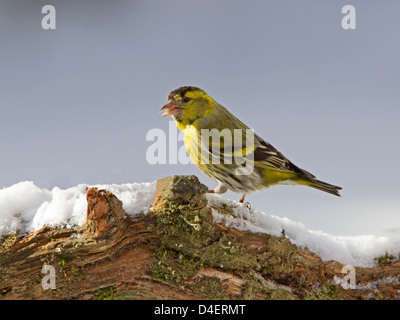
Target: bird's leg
{"x": 219, "y": 189}
{"x": 247, "y": 204}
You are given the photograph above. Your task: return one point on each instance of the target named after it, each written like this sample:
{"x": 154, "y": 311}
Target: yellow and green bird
{"x": 242, "y": 162}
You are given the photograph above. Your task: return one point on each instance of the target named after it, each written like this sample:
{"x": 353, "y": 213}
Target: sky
{"x": 77, "y": 101}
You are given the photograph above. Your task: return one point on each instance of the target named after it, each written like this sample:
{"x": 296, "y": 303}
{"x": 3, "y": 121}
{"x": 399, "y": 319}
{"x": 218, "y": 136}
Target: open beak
{"x": 170, "y": 109}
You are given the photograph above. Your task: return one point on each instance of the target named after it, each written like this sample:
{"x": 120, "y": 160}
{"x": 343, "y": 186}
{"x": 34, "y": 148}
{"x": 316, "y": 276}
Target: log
{"x": 174, "y": 252}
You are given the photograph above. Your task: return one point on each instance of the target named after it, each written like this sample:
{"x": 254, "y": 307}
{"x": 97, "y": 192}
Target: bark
{"x": 174, "y": 252}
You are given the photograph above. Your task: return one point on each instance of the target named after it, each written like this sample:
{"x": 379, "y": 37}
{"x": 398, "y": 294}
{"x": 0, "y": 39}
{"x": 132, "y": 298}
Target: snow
{"x": 352, "y": 250}
{"x": 27, "y": 207}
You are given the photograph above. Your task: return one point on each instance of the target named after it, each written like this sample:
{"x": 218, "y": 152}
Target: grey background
{"x": 76, "y": 102}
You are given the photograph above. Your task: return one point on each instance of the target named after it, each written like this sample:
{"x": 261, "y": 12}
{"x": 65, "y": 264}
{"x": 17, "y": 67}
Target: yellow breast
{"x": 192, "y": 141}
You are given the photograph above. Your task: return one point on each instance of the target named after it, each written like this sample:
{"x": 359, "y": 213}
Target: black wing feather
{"x": 266, "y": 154}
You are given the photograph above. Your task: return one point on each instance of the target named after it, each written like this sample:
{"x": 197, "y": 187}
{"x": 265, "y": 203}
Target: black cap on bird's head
{"x": 181, "y": 91}
{"x": 177, "y": 99}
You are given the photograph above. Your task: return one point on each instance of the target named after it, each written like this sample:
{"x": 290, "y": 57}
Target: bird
{"x": 243, "y": 162}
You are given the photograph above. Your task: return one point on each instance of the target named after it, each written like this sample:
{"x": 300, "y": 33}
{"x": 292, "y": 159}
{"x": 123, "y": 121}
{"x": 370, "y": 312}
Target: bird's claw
{"x": 247, "y": 204}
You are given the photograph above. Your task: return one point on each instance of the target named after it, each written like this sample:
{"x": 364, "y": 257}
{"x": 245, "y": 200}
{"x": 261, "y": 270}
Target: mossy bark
{"x": 176, "y": 251}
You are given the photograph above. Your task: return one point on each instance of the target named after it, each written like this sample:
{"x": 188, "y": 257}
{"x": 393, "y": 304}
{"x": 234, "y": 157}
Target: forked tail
{"x": 320, "y": 185}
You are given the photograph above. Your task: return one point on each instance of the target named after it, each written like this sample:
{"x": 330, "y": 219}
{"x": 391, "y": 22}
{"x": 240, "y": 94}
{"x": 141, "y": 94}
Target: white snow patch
{"x": 26, "y": 207}
{"x": 352, "y": 250}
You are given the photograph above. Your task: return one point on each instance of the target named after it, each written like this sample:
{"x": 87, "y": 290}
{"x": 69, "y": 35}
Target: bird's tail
{"x": 320, "y": 185}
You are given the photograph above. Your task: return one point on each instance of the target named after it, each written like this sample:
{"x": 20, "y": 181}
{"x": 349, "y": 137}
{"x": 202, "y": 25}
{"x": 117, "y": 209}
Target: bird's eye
{"x": 185, "y": 99}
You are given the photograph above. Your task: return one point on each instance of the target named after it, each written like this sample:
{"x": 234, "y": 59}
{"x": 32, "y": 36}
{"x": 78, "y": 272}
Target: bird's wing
{"x": 253, "y": 148}
{"x": 265, "y": 155}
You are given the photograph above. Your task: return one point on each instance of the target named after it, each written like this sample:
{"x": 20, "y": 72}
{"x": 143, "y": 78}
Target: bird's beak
{"x": 171, "y": 109}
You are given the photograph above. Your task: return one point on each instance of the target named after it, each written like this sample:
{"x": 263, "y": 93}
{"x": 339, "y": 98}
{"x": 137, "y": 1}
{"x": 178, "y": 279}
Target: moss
{"x": 209, "y": 288}
{"x": 255, "y": 290}
{"x": 228, "y": 253}
{"x": 135, "y": 295}
{"x": 281, "y": 256}
{"x": 385, "y": 259}
{"x": 325, "y": 292}
{"x": 171, "y": 265}
{"x": 8, "y": 241}
{"x": 107, "y": 293}
{"x": 191, "y": 241}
